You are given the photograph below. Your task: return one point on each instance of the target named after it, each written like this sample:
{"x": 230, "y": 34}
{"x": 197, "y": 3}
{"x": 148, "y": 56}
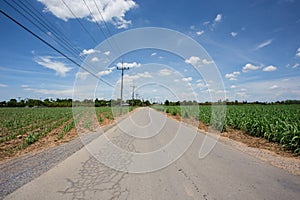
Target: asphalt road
{"x": 159, "y": 167}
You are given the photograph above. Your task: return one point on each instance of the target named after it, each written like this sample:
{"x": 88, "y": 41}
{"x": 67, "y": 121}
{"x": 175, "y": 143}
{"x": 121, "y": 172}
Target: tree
{"x": 167, "y": 102}
{"x": 12, "y": 103}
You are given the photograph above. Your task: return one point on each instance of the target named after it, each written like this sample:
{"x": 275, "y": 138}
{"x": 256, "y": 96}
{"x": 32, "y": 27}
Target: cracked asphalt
{"x": 225, "y": 173}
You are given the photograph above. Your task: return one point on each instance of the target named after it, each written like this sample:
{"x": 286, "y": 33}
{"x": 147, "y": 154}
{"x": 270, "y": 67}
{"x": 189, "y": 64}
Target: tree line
{"x": 227, "y": 102}
{"x": 69, "y": 102}
{"x": 112, "y": 102}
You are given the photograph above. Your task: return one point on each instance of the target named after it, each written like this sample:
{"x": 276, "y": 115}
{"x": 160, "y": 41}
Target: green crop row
{"x": 277, "y": 123}
{"x": 34, "y": 123}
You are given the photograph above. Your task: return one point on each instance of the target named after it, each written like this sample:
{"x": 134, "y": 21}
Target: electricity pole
{"x": 122, "y": 68}
{"x": 133, "y": 87}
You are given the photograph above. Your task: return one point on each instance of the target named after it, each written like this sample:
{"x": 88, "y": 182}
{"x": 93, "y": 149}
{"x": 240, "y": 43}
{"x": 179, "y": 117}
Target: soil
{"x": 13, "y": 148}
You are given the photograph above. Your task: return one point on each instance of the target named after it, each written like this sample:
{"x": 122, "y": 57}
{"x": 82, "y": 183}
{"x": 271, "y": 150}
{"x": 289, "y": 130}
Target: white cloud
{"x": 234, "y": 34}
{"x": 89, "y": 51}
{"x": 138, "y": 76}
{"x": 106, "y": 53}
{"x": 233, "y": 86}
{"x": 249, "y": 67}
{"x": 218, "y": 18}
{"x": 66, "y": 92}
{"x": 24, "y": 86}
{"x": 112, "y": 11}
{"x": 188, "y": 79}
{"x": 193, "y": 60}
{"x": 206, "y": 23}
{"x": 199, "y": 32}
{"x": 196, "y": 61}
{"x": 106, "y": 72}
{"x": 153, "y": 54}
{"x": 95, "y": 59}
{"x": 298, "y": 52}
{"x": 165, "y": 72}
{"x": 270, "y": 68}
{"x": 295, "y": 65}
{"x": 3, "y": 85}
{"x": 82, "y": 75}
{"x": 130, "y": 65}
{"x": 264, "y": 44}
{"x": 274, "y": 87}
{"x": 232, "y": 76}
{"x": 207, "y": 62}
{"x": 60, "y": 68}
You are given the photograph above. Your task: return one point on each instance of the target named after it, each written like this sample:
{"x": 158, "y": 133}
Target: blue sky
{"x": 254, "y": 44}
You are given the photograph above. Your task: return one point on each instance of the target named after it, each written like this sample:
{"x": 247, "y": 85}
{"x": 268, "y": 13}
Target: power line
{"x": 79, "y": 22}
{"x": 98, "y": 25}
{"x": 51, "y": 46}
{"x": 47, "y": 28}
{"x": 40, "y": 26}
{"x": 107, "y": 28}
{"x": 58, "y": 32}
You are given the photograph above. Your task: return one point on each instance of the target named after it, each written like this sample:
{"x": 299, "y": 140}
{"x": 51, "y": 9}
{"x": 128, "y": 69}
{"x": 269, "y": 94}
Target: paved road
{"x": 225, "y": 173}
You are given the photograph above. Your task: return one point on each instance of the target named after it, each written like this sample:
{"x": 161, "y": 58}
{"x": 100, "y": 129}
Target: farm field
{"x": 276, "y": 123}
{"x": 24, "y": 128}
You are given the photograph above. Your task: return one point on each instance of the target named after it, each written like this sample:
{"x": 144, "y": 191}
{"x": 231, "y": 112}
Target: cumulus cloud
{"x": 111, "y": 11}
{"x": 264, "y": 44}
{"x": 196, "y": 61}
{"x": 234, "y": 34}
{"x": 106, "y": 72}
{"x": 89, "y": 51}
{"x": 232, "y": 76}
{"x": 165, "y": 72}
{"x": 82, "y": 75}
{"x": 206, "y": 23}
{"x": 188, "y": 79}
{"x": 274, "y": 87}
{"x": 199, "y": 32}
{"x": 95, "y": 59}
{"x": 207, "y": 62}
{"x": 106, "y": 53}
{"x": 130, "y": 65}
{"x": 249, "y": 67}
{"x": 298, "y": 52}
{"x": 218, "y": 18}
{"x": 60, "y": 68}
{"x": 138, "y": 76}
{"x": 270, "y": 68}
{"x": 295, "y": 65}
{"x": 3, "y": 85}
{"x": 193, "y": 60}
{"x": 233, "y": 86}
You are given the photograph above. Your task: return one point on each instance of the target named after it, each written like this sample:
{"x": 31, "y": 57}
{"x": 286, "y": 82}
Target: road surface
{"x": 225, "y": 173}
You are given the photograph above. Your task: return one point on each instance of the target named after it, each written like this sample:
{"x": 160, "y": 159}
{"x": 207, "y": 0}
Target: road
{"x": 225, "y": 173}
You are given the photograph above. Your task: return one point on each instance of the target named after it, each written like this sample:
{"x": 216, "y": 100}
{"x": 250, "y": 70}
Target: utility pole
{"x": 122, "y": 68}
{"x": 133, "y": 87}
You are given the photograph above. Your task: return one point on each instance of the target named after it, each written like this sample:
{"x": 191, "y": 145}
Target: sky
{"x": 250, "y": 49}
